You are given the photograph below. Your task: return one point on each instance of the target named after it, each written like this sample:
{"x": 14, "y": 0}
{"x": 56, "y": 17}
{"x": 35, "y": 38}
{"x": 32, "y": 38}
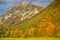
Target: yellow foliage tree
{"x": 7, "y": 33}
{"x": 11, "y": 33}
{"x": 18, "y": 32}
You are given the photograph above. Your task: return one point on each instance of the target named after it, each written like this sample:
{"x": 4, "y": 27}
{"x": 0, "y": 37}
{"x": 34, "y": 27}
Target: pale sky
{"x": 5, "y": 5}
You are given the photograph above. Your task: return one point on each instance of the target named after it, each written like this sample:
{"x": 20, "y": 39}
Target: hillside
{"x": 44, "y": 24}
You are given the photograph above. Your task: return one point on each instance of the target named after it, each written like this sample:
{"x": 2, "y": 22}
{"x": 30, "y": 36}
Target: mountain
{"x": 44, "y": 24}
{"x": 20, "y": 12}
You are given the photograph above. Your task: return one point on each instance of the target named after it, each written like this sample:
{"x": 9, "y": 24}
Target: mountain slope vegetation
{"x": 44, "y": 24}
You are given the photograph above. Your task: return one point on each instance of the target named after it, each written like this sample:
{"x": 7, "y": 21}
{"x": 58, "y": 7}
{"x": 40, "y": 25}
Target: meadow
{"x": 41, "y": 38}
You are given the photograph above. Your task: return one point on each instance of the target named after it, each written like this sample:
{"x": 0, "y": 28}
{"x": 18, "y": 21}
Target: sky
{"x": 5, "y": 5}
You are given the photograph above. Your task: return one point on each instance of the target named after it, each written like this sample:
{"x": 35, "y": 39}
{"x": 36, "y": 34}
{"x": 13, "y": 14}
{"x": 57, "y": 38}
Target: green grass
{"x": 42, "y": 38}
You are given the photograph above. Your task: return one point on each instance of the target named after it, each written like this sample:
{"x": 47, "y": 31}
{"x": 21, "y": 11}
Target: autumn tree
{"x": 50, "y": 29}
{"x": 11, "y": 33}
{"x": 32, "y": 31}
{"x": 7, "y": 34}
{"x": 58, "y": 31}
{"x": 16, "y": 33}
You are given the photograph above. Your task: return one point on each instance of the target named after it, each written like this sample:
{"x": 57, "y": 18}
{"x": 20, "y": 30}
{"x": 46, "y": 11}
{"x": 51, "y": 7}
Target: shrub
{"x": 6, "y": 26}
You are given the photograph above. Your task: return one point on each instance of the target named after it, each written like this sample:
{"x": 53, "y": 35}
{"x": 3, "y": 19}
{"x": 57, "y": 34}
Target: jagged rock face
{"x": 22, "y": 11}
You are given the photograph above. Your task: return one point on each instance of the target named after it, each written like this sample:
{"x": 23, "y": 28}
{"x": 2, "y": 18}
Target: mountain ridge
{"x": 19, "y": 11}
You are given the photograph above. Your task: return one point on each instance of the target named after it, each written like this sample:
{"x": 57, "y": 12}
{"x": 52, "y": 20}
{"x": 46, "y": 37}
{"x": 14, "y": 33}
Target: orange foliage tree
{"x": 18, "y": 33}
{"x": 32, "y": 31}
{"x": 58, "y": 31}
{"x": 50, "y": 29}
